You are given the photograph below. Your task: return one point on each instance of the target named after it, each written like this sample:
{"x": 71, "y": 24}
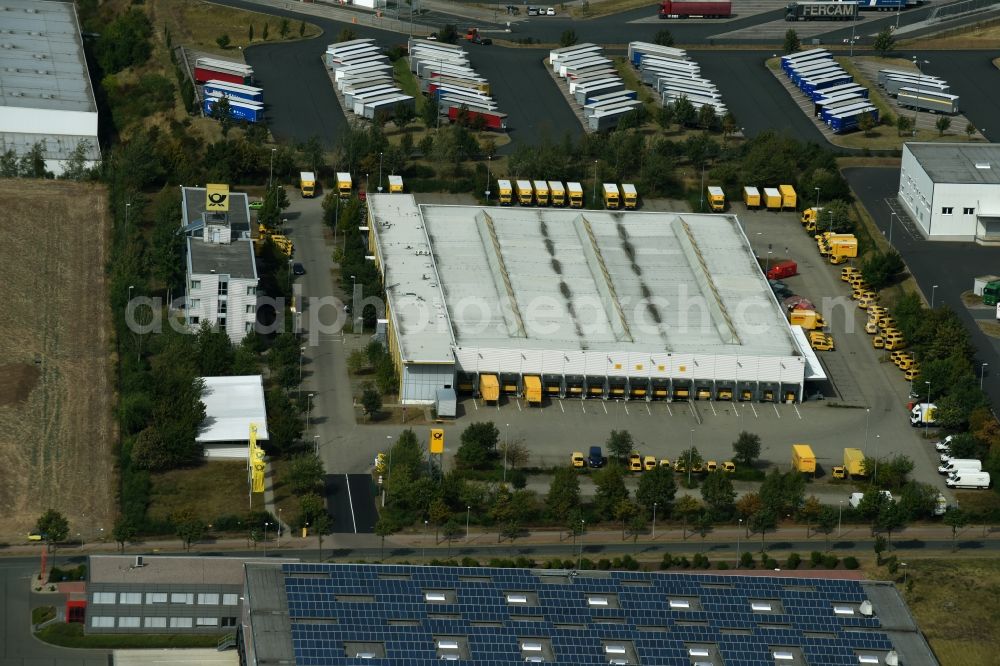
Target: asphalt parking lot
{"x": 972, "y": 76}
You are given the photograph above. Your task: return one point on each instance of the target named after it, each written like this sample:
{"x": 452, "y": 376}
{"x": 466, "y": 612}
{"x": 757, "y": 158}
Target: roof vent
{"x": 866, "y": 608}
{"x": 892, "y": 658}
{"x": 983, "y": 165}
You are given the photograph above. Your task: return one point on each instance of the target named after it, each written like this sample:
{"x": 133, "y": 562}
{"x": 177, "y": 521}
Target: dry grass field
{"x": 56, "y": 387}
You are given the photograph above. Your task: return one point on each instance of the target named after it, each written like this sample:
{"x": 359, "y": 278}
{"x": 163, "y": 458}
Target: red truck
{"x": 689, "y": 8}
{"x": 781, "y": 269}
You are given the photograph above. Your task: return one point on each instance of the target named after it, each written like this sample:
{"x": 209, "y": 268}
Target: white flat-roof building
{"x": 595, "y": 303}
{"x": 231, "y": 405}
{"x": 45, "y": 90}
{"x": 952, "y": 190}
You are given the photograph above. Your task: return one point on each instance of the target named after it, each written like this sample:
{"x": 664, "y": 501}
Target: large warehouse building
{"x": 952, "y": 190}
{"x": 45, "y": 88}
{"x": 311, "y": 614}
{"x": 592, "y": 304}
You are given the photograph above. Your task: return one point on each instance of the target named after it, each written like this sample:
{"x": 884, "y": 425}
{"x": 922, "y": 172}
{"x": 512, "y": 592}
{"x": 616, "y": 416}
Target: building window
{"x": 222, "y": 307}
{"x": 222, "y": 322}
{"x": 195, "y": 284}
{"x": 229, "y": 622}
{"x": 250, "y": 309}
{"x": 947, "y": 210}
{"x": 208, "y": 621}
{"x": 249, "y": 327}
{"x": 104, "y": 597}
{"x": 195, "y": 303}
{"x": 206, "y": 599}
{"x": 156, "y": 597}
{"x": 251, "y": 290}
{"x": 230, "y": 599}
{"x": 181, "y": 598}
{"x": 223, "y": 288}
{"x": 968, "y": 211}
{"x": 128, "y": 622}
{"x": 195, "y": 320}
{"x": 103, "y": 621}
{"x": 155, "y": 622}
{"x": 180, "y": 622}
{"x": 130, "y": 598}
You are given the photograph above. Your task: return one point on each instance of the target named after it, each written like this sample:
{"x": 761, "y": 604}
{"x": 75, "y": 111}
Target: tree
{"x": 956, "y": 519}
{"x": 284, "y": 423}
{"x": 430, "y": 117}
{"x": 321, "y": 527}
{"x": 564, "y": 493}
{"x": 884, "y": 41}
{"x": 448, "y": 34}
{"x": 263, "y": 34}
{"x": 305, "y": 474}
{"x": 707, "y": 117}
{"x": 746, "y": 448}
{"x": 510, "y": 530}
{"x": 970, "y": 129}
{"x": 866, "y": 122}
{"x": 663, "y": 38}
{"x": 222, "y": 112}
{"x": 451, "y": 531}
{"x": 620, "y": 444}
{"x": 657, "y": 486}
{"x": 703, "y": 525}
{"x": 383, "y": 528}
{"x": 684, "y": 112}
{"x": 215, "y": 351}
{"x": 625, "y": 510}
{"x": 903, "y": 125}
{"x": 346, "y": 35}
{"x": 438, "y": 513}
{"x": 610, "y": 484}
{"x": 284, "y": 28}
{"x": 942, "y": 124}
{"x": 718, "y": 493}
{"x": 123, "y": 532}
{"x": 691, "y": 458}
{"x": 53, "y": 527}
{"x": 783, "y": 493}
{"x": 728, "y": 125}
{"x": 124, "y": 42}
{"x": 250, "y": 33}
{"x": 879, "y": 546}
{"x": 32, "y": 162}
{"x": 478, "y": 447}
{"x": 636, "y": 526}
{"x": 189, "y": 527}
{"x": 762, "y": 522}
{"x": 302, "y": 29}
{"x": 810, "y": 511}
{"x": 514, "y": 454}
{"x": 890, "y": 519}
{"x": 371, "y": 400}
{"x": 223, "y": 41}
{"x": 686, "y": 507}
{"x": 792, "y": 43}
{"x": 403, "y": 115}
{"x": 665, "y": 117}
{"x": 76, "y": 165}
{"x": 568, "y": 38}
{"x": 748, "y": 505}
{"x": 879, "y": 268}
{"x": 826, "y": 521}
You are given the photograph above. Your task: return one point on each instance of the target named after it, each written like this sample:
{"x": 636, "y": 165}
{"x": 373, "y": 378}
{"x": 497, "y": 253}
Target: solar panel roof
{"x": 335, "y": 608}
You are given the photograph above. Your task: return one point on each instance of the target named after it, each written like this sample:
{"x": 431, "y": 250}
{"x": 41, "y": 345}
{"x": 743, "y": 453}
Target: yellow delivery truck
{"x": 524, "y": 192}
{"x": 557, "y": 193}
{"x": 807, "y": 319}
{"x": 307, "y": 184}
{"x": 612, "y": 198}
{"x": 344, "y": 184}
{"x": 751, "y": 196}
{"x": 533, "y": 389}
{"x": 716, "y": 198}
{"x": 505, "y": 192}
{"x": 772, "y": 198}
{"x": 788, "y": 198}
{"x": 395, "y": 184}
{"x": 803, "y": 459}
{"x": 575, "y": 192}
{"x": 489, "y": 387}
{"x": 541, "y": 193}
{"x": 630, "y": 196}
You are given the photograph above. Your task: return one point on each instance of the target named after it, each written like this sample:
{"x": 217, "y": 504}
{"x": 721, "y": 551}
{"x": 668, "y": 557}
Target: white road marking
{"x": 648, "y": 410}
{"x": 605, "y": 406}
{"x": 476, "y": 404}
{"x": 354, "y": 520}
{"x": 584, "y": 409}
{"x": 625, "y": 405}
{"x": 711, "y": 403}
{"x": 797, "y": 412}
{"x": 754, "y": 411}
{"x": 736, "y": 409}
{"x": 669, "y": 411}
{"x": 561, "y": 409}
{"x": 518, "y": 402}
{"x": 776, "y": 412}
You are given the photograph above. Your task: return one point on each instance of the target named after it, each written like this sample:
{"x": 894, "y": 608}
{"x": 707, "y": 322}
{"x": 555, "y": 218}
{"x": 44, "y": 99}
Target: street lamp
{"x": 920, "y": 75}
{"x": 468, "y": 512}
{"x": 579, "y": 557}
{"x": 316, "y": 445}
{"x": 309, "y": 412}
{"x": 892, "y": 218}
{"x": 270, "y": 169}
{"x": 868, "y": 418}
{"x": 265, "y": 537}
{"x": 278, "y": 543}
{"x": 489, "y": 162}
{"x": 130, "y": 288}
{"x": 878, "y": 439}
{"x": 903, "y": 564}
{"x": 595, "y": 189}
{"x": 817, "y": 197}
{"x": 302, "y": 351}
{"x": 933, "y": 294}
{"x": 380, "y": 173}
{"x": 506, "y": 441}
{"x": 423, "y": 549}
{"x": 840, "y": 517}
{"x": 690, "y": 453}
{"x": 388, "y": 472}
{"x": 654, "y": 521}
{"x": 982, "y": 374}
{"x": 927, "y": 412}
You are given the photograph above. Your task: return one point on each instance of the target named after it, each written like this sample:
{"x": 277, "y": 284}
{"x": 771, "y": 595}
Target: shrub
{"x": 851, "y": 562}
{"x": 630, "y": 563}
{"x": 746, "y": 560}
{"x": 523, "y": 562}
{"x": 815, "y": 558}
{"x": 469, "y": 562}
{"x": 604, "y": 564}
{"x": 586, "y": 563}
{"x": 793, "y": 561}
{"x": 667, "y": 561}
{"x": 831, "y": 561}
{"x": 701, "y": 562}
{"x": 722, "y": 565}
{"x": 683, "y": 563}
{"x": 769, "y": 563}
{"x": 893, "y": 564}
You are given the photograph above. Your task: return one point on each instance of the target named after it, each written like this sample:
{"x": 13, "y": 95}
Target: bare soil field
{"x": 56, "y": 389}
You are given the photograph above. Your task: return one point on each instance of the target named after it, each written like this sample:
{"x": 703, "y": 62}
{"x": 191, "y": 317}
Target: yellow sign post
{"x": 217, "y": 198}
{"x": 437, "y": 440}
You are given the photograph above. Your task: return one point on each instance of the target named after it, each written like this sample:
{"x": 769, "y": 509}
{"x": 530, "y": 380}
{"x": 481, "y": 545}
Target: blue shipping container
{"x": 251, "y": 112}
{"x": 849, "y": 121}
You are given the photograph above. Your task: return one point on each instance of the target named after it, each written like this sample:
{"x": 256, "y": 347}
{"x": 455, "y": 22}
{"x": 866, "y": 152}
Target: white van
{"x": 966, "y": 479}
{"x": 960, "y": 464}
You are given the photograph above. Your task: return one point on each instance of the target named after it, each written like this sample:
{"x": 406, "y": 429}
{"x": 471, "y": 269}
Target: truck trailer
{"x": 208, "y": 69}
{"x": 821, "y": 11}
{"x": 751, "y": 196}
{"x": 926, "y": 100}
{"x": 215, "y": 88}
{"x": 803, "y": 459}
{"x": 688, "y": 8}
{"x": 252, "y": 112}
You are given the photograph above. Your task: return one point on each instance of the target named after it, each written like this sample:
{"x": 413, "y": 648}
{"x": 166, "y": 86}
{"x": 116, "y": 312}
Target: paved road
{"x": 17, "y": 646}
{"x": 351, "y": 502}
{"x": 975, "y": 80}
{"x": 951, "y": 266}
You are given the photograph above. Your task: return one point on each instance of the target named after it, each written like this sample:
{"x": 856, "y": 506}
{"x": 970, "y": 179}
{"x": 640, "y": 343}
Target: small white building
{"x": 221, "y": 266}
{"x": 952, "y": 190}
{"x": 231, "y": 405}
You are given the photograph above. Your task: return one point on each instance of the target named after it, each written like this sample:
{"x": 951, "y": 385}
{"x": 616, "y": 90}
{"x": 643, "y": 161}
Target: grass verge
{"x": 954, "y": 603}
{"x": 42, "y": 614}
{"x": 982, "y": 35}
{"x": 408, "y": 83}
{"x": 71, "y": 635}
{"x": 632, "y": 82}
{"x": 217, "y": 488}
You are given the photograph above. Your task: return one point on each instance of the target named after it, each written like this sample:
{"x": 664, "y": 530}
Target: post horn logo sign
{"x": 217, "y": 198}
{"x": 437, "y": 440}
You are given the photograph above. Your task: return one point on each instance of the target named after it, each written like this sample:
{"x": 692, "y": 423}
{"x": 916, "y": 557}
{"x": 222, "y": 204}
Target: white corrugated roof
{"x": 231, "y": 405}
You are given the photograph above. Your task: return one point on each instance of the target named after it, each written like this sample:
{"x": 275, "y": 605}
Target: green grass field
{"x": 211, "y": 490}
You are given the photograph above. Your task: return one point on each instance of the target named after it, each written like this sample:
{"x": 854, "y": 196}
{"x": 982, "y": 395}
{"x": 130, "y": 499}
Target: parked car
{"x": 532, "y": 11}
{"x": 256, "y": 205}
{"x": 484, "y": 41}
{"x": 298, "y": 269}
{"x": 596, "y": 457}
{"x": 551, "y": 11}
{"x": 944, "y": 444}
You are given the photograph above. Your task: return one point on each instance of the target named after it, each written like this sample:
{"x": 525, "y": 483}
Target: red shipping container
{"x": 201, "y": 75}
